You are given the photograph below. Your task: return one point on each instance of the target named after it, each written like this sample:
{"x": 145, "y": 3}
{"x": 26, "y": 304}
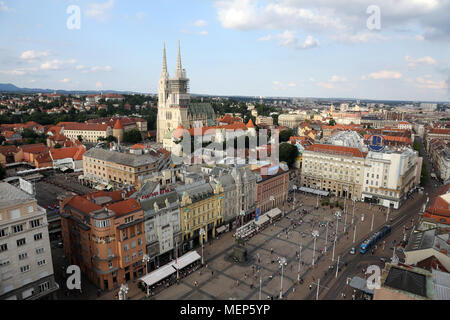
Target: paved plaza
{"x": 223, "y": 279}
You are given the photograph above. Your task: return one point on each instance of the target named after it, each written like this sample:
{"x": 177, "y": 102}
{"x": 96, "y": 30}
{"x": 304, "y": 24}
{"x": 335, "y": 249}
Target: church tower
{"x": 163, "y": 95}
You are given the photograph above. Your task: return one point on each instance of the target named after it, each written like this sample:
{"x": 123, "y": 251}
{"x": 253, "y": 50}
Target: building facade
{"x": 389, "y": 176}
{"x": 174, "y": 106}
{"x": 111, "y": 167}
{"x": 162, "y": 223}
{"x": 26, "y": 267}
{"x": 201, "y": 208}
{"x": 336, "y": 169}
{"x": 272, "y": 184}
{"x": 103, "y": 233}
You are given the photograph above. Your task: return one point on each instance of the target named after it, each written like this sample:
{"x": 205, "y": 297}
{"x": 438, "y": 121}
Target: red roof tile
{"x": 338, "y": 150}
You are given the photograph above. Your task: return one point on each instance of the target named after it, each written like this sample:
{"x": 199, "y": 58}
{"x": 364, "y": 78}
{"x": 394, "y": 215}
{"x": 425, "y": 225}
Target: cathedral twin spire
{"x": 179, "y": 71}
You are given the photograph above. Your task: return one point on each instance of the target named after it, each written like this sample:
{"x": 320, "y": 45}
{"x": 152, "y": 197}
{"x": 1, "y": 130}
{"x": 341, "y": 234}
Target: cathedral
{"x": 174, "y": 106}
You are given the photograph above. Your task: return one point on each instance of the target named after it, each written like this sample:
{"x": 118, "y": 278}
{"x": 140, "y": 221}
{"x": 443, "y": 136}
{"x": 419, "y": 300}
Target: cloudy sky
{"x": 385, "y": 49}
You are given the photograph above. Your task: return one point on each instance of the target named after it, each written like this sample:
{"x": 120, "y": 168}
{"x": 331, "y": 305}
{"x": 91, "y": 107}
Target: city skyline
{"x": 231, "y": 48}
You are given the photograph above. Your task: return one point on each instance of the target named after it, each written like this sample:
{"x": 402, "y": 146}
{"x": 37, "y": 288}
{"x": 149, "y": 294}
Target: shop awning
{"x": 273, "y": 213}
{"x": 221, "y": 229}
{"x": 262, "y": 219}
{"x": 186, "y": 260}
{"x": 158, "y": 275}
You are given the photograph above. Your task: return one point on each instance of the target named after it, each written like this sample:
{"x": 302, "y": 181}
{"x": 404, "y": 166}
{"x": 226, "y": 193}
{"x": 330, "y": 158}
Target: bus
{"x": 367, "y": 244}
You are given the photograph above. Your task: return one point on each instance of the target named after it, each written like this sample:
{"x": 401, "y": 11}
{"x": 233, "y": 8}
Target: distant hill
{"x": 10, "y": 88}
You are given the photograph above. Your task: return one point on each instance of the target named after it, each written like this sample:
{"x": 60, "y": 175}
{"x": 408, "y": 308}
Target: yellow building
{"x": 201, "y": 207}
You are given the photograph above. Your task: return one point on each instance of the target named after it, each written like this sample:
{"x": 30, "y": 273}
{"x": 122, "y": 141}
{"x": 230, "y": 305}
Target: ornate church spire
{"x": 164, "y": 66}
{"x": 179, "y": 72}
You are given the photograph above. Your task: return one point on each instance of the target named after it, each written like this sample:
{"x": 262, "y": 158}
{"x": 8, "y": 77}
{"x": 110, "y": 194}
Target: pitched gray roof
{"x": 11, "y": 196}
{"x": 126, "y": 159}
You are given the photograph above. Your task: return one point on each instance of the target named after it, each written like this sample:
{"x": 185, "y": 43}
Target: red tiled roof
{"x": 124, "y": 207}
{"x": 118, "y": 125}
{"x": 8, "y": 149}
{"x": 392, "y": 138}
{"x": 34, "y": 148}
{"x": 339, "y": 150}
{"x": 440, "y": 131}
{"x": 138, "y": 146}
{"x": 86, "y": 126}
{"x": 64, "y": 153}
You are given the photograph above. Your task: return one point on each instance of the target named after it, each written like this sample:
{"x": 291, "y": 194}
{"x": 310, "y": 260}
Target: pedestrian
{"x": 310, "y": 286}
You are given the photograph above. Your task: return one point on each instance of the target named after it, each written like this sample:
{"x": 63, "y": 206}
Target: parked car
{"x": 352, "y": 251}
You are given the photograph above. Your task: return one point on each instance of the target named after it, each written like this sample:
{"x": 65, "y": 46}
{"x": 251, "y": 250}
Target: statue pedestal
{"x": 240, "y": 253}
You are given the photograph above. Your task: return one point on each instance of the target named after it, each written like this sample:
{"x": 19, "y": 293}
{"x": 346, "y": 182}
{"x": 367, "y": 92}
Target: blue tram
{"x": 368, "y": 243}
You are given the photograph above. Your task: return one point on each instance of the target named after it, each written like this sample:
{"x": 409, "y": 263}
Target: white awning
{"x": 159, "y": 274}
{"x": 221, "y": 229}
{"x": 273, "y": 213}
{"x": 261, "y": 220}
{"x": 186, "y": 260}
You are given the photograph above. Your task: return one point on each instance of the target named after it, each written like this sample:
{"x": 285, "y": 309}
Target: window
{"x": 4, "y": 262}
{"x": 39, "y": 251}
{"x": 17, "y": 228}
{"x": 30, "y": 209}
{"x": 14, "y": 214}
{"x": 25, "y": 268}
{"x": 37, "y": 236}
{"x": 140, "y": 241}
{"x": 35, "y": 223}
{"x": 44, "y": 286}
{"x": 133, "y": 244}
{"x": 23, "y": 256}
{"x": 141, "y": 253}
{"x": 3, "y": 233}
{"x": 3, "y": 247}
{"x": 125, "y": 247}
{"x": 110, "y": 264}
{"x": 21, "y": 242}
{"x": 41, "y": 262}
{"x": 134, "y": 255}
{"x": 101, "y": 223}
{"x": 127, "y": 259}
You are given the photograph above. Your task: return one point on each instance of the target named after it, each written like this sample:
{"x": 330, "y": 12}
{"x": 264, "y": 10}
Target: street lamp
{"x": 282, "y": 261}
{"x": 338, "y": 215}
{"x": 242, "y": 214}
{"x": 315, "y": 234}
{"x": 334, "y": 247}
{"x": 387, "y": 215}
{"x": 202, "y": 233}
{"x": 260, "y": 283}
{"x": 146, "y": 260}
{"x": 326, "y": 238}
{"x": 299, "y": 262}
{"x": 123, "y": 292}
{"x": 354, "y": 233}
{"x": 354, "y": 204}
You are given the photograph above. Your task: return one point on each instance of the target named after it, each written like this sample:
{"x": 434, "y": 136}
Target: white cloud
{"x": 336, "y": 78}
{"x": 32, "y": 55}
{"x": 99, "y": 11}
{"x": 279, "y": 85}
{"x": 203, "y": 33}
{"x": 419, "y": 61}
{"x": 19, "y": 71}
{"x": 99, "y": 85}
{"x": 85, "y": 69}
{"x": 341, "y": 23}
{"x": 65, "y": 80}
{"x": 56, "y": 64}
{"x": 292, "y": 85}
{"x": 289, "y": 39}
{"x": 383, "y": 74}
{"x": 426, "y": 83}
{"x": 200, "y": 23}
{"x": 326, "y": 85}
{"x": 4, "y": 7}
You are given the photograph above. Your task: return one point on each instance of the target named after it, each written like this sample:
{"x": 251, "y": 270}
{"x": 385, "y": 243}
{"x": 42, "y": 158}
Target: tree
{"x": 425, "y": 175}
{"x": 57, "y": 146}
{"x": 132, "y": 136}
{"x": 332, "y": 122}
{"x": 288, "y": 153}
{"x": 80, "y": 138}
{"x": 286, "y": 134}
